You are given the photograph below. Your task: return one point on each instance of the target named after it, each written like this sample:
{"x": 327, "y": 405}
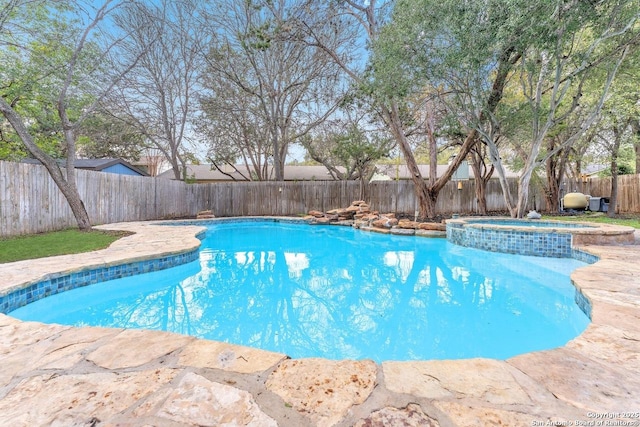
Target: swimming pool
{"x": 337, "y": 293}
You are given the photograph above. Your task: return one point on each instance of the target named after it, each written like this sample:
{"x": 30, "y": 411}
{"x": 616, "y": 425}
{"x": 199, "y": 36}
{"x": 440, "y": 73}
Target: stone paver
{"x": 228, "y": 357}
{"x": 62, "y": 376}
{"x": 410, "y": 416}
{"x": 196, "y": 400}
{"x": 323, "y": 389}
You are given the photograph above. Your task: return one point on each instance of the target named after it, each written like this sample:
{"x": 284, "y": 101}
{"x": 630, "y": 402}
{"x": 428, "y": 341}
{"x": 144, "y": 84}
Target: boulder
{"x": 534, "y": 215}
{"x": 385, "y": 222}
{"x": 337, "y": 211}
{"x": 434, "y": 226}
{"x": 403, "y": 231}
{"x": 408, "y": 224}
{"x": 205, "y": 214}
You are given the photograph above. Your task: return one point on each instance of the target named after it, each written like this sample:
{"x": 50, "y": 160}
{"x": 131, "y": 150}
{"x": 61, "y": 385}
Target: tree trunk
{"x": 523, "y": 193}
{"x": 552, "y": 194}
{"x": 613, "y": 199}
{"x": 618, "y": 130}
{"x": 426, "y": 205}
{"x": 635, "y": 127}
{"x": 67, "y": 185}
{"x": 481, "y": 196}
{"x": 507, "y": 59}
{"x": 481, "y": 175}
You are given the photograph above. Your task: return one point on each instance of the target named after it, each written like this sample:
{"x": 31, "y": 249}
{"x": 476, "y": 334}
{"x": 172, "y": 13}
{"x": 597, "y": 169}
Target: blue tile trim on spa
{"x": 61, "y": 282}
{"x": 535, "y": 242}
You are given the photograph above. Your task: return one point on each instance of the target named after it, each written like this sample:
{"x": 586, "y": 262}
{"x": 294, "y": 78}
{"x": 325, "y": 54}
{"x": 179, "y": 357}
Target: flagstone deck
{"x": 63, "y": 376}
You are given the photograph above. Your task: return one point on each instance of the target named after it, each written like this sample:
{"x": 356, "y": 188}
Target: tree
{"x": 76, "y": 59}
{"x": 472, "y": 49}
{"x": 233, "y": 126}
{"x": 104, "y": 135}
{"x": 554, "y": 70}
{"x": 289, "y": 87}
{"x": 27, "y": 72}
{"x": 614, "y": 134}
{"x": 157, "y": 96}
{"x": 363, "y": 19}
{"x": 347, "y": 148}
{"x": 454, "y": 46}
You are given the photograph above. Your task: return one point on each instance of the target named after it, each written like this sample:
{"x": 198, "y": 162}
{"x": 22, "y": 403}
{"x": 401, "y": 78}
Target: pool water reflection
{"x": 339, "y": 293}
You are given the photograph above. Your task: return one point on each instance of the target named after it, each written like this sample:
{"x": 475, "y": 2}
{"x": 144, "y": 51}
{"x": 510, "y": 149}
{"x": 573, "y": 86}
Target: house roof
{"x": 205, "y": 173}
{"x": 101, "y": 164}
{"x": 402, "y": 171}
{"x": 594, "y": 169}
{"x": 291, "y": 173}
{"x": 93, "y": 164}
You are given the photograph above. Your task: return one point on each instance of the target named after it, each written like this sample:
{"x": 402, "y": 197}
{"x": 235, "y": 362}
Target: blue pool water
{"x": 337, "y": 293}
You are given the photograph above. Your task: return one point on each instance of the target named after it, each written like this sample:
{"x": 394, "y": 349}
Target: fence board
{"x": 30, "y": 202}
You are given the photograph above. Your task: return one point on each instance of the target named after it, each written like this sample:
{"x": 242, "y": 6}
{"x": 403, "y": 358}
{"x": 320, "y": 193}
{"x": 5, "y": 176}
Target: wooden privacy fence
{"x": 628, "y": 191}
{"x": 30, "y": 202}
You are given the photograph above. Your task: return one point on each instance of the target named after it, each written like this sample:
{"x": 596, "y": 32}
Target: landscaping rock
{"x": 336, "y": 211}
{"x": 405, "y": 223}
{"x": 360, "y": 215}
{"x": 205, "y": 215}
{"x": 385, "y": 222}
{"x": 403, "y": 231}
{"x": 434, "y": 226}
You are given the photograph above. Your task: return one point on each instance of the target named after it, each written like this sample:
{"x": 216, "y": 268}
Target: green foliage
{"x": 354, "y": 148}
{"x": 56, "y": 243}
{"x": 258, "y": 37}
{"x": 104, "y": 136}
{"x": 33, "y": 68}
{"x": 623, "y": 169}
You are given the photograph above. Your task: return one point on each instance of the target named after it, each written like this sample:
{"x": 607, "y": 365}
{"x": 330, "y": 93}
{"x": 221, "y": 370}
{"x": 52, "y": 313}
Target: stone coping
{"x": 60, "y": 375}
{"x": 603, "y": 232}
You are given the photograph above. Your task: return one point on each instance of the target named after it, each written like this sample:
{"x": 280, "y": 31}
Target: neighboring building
{"x": 205, "y": 173}
{"x": 401, "y": 171}
{"x": 594, "y": 170}
{"x": 117, "y": 166}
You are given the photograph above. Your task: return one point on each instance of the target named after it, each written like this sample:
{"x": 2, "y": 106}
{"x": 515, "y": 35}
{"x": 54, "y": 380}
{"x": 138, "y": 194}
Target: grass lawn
{"x": 599, "y": 217}
{"x": 56, "y": 243}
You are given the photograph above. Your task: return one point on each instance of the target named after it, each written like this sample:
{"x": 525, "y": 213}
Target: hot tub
{"x": 534, "y": 237}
